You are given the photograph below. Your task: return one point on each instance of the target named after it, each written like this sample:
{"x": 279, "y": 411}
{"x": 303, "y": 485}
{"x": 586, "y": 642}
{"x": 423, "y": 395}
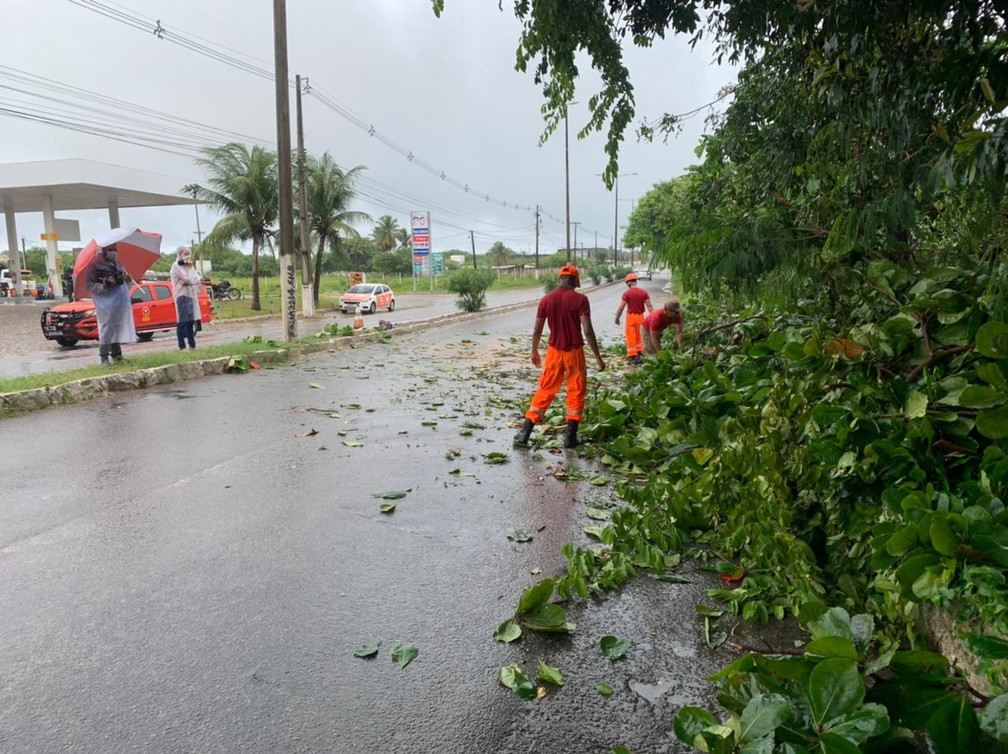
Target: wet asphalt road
{"x": 184, "y": 569}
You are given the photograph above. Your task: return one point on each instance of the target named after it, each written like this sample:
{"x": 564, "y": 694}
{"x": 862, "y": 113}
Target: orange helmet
{"x": 569, "y": 270}
{"x": 631, "y": 277}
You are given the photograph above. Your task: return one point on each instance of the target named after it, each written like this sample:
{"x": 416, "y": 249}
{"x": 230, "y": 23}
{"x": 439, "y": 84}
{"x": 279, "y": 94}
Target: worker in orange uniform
{"x": 660, "y": 320}
{"x": 634, "y": 300}
{"x": 569, "y": 315}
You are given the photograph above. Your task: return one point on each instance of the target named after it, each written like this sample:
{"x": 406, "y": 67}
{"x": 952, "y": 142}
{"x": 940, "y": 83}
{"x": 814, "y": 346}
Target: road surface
{"x": 191, "y": 567}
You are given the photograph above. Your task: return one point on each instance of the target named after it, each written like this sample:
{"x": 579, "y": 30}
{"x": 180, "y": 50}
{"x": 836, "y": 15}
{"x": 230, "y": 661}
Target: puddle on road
{"x": 655, "y": 691}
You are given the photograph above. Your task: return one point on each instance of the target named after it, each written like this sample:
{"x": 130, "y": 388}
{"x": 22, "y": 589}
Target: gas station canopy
{"x": 74, "y": 185}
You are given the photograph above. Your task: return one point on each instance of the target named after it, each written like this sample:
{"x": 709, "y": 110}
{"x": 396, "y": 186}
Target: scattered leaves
{"x": 367, "y": 651}
{"x": 614, "y": 647}
{"x": 404, "y": 654}
{"x": 507, "y": 632}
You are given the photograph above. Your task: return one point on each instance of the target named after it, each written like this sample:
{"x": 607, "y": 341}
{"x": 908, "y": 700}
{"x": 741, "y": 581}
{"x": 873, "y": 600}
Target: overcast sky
{"x": 444, "y": 89}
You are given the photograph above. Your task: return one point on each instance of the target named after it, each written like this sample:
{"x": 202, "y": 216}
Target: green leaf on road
{"x": 394, "y": 495}
{"x": 495, "y": 458}
{"x": 367, "y": 651}
{"x": 517, "y": 535}
{"x": 315, "y": 385}
{"x": 598, "y": 514}
{"x": 604, "y": 689}
{"x": 614, "y": 647}
{"x": 387, "y": 508}
{"x": 353, "y": 444}
{"x": 549, "y": 674}
{"x": 536, "y": 595}
{"x": 507, "y": 632}
{"x": 459, "y": 472}
{"x": 404, "y": 654}
{"x": 513, "y": 677}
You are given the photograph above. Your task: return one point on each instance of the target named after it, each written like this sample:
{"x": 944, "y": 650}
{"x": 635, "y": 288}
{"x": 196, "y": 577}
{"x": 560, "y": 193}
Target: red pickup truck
{"x": 153, "y": 310}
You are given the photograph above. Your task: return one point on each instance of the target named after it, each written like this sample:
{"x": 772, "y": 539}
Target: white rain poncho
{"x": 186, "y": 286}
{"x": 112, "y": 304}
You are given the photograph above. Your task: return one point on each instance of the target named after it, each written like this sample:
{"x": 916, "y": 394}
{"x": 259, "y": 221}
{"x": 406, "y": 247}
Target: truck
{"x": 28, "y": 287}
{"x": 153, "y": 311}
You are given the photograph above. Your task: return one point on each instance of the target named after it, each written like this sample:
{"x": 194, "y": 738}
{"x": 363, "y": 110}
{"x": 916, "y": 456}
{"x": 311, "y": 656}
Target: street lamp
{"x": 567, "y": 176}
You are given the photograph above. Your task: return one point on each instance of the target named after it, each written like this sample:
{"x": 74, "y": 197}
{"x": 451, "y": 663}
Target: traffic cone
{"x": 358, "y": 320}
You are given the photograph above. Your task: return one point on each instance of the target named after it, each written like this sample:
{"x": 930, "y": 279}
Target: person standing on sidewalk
{"x": 634, "y": 300}
{"x": 659, "y": 321}
{"x": 109, "y": 285}
{"x": 569, "y": 316}
{"x": 186, "y": 287}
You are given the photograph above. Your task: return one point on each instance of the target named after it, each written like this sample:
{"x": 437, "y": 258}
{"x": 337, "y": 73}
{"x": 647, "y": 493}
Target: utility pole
{"x": 472, "y": 240}
{"x": 307, "y": 287}
{"x": 575, "y": 224}
{"x": 199, "y": 232}
{"x": 596, "y": 244}
{"x": 287, "y": 272}
{"x": 537, "y": 240}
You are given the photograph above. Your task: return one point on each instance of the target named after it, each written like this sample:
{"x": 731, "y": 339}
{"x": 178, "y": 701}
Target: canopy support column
{"x": 52, "y": 245}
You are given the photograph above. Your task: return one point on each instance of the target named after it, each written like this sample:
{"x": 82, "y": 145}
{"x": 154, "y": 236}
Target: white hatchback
{"x": 369, "y": 297}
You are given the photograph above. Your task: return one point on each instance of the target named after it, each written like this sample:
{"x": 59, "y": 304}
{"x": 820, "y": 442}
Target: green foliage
{"x": 243, "y": 185}
{"x": 865, "y": 468}
{"x": 471, "y": 286}
{"x": 386, "y": 233}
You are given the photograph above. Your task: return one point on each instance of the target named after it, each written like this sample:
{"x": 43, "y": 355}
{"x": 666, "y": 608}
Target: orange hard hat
{"x": 631, "y": 277}
{"x": 569, "y": 270}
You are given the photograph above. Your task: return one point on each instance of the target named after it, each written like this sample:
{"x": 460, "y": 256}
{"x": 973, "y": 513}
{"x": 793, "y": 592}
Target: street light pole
{"x": 615, "y": 240}
{"x": 567, "y": 182}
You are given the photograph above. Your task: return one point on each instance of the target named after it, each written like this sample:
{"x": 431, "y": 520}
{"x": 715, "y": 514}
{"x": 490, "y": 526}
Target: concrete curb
{"x": 78, "y": 391}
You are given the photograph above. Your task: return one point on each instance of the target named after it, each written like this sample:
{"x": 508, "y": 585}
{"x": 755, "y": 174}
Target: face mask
{"x": 112, "y": 256}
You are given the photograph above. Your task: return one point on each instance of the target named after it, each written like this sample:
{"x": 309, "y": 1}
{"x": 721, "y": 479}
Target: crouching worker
{"x": 659, "y": 321}
{"x": 569, "y": 316}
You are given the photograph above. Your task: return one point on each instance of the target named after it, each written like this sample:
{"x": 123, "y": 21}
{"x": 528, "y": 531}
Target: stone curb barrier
{"x": 102, "y": 386}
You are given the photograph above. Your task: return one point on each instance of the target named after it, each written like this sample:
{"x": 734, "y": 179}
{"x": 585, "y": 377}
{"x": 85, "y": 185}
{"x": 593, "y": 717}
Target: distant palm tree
{"x": 403, "y": 238}
{"x": 243, "y": 185}
{"x": 330, "y": 191}
{"x": 384, "y": 233}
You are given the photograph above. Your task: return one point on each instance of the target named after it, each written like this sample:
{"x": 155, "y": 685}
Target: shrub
{"x": 550, "y": 283}
{"x": 471, "y": 286}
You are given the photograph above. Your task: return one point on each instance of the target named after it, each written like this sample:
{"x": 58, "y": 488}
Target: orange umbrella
{"x": 137, "y": 251}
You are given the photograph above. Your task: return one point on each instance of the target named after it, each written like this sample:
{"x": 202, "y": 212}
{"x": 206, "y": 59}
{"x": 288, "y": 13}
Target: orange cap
{"x": 631, "y": 277}
{"x": 569, "y": 270}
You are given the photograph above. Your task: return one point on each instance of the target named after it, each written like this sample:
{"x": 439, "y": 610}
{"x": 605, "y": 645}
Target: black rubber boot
{"x": 572, "y": 438}
{"x": 103, "y": 352}
{"x": 522, "y": 438}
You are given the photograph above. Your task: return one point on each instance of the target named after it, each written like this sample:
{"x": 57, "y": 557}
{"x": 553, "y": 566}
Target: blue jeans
{"x": 186, "y": 332}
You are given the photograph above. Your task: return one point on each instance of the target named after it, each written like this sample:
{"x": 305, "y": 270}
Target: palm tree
{"x": 384, "y": 233}
{"x": 330, "y": 191}
{"x": 243, "y": 185}
{"x": 403, "y": 238}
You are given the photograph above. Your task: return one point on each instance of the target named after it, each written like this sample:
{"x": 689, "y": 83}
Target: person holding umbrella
{"x": 186, "y": 286}
{"x": 109, "y": 286}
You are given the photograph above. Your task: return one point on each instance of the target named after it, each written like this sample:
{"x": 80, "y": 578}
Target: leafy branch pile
{"x": 864, "y": 469}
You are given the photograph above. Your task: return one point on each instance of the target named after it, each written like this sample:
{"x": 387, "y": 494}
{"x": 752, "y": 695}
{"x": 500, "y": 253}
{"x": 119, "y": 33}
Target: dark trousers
{"x": 186, "y": 333}
{"x": 113, "y": 349}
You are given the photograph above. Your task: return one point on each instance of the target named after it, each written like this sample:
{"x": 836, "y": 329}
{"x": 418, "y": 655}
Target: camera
{"x": 113, "y": 279}
{"x": 183, "y": 262}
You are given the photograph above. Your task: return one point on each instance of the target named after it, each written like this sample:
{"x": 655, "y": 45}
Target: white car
{"x": 643, "y": 273}
{"x": 369, "y": 297}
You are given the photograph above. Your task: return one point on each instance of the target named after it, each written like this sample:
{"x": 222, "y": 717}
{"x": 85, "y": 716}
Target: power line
{"x": 207, "y": 48}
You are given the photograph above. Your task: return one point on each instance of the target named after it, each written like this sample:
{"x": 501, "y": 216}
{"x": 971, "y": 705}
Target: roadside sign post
{"x": 420, "y": 227}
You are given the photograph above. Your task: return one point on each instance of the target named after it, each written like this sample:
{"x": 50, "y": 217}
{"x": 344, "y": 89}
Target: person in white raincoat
{"x": 186, "y": 284}
{"x": 109, "y": 285}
